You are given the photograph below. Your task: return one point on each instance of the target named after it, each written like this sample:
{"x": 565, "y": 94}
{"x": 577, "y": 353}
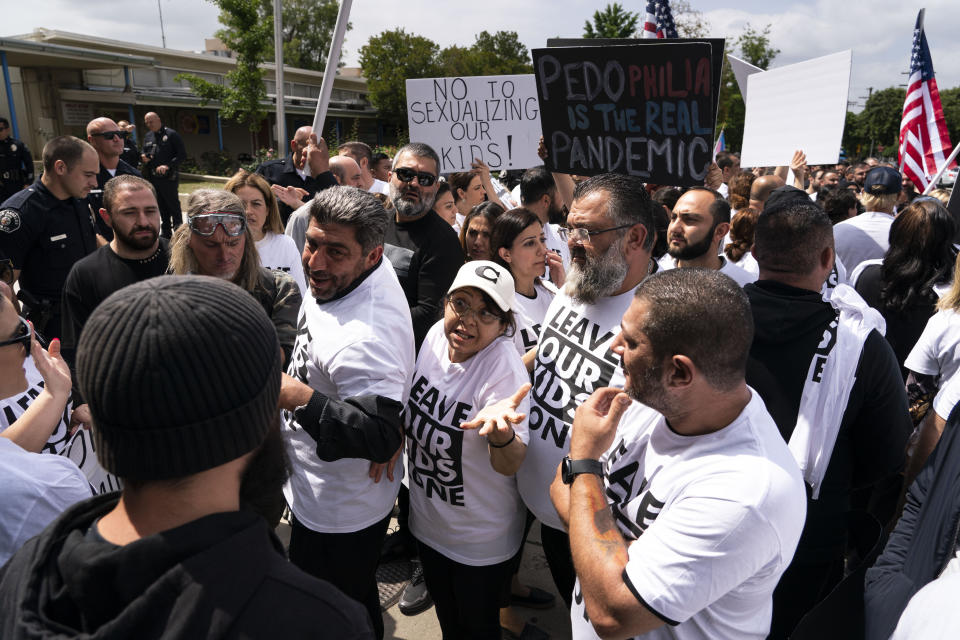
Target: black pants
{"x": 467, "y": 598}
{"x": 556, "y": 548}
{"x": 801, "y": 587}
{"x": 168, "y": 200}
{"x": 346, "y": 560}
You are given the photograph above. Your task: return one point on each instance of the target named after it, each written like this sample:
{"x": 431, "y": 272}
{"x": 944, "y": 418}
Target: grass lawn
{"x": 189, "y": 186}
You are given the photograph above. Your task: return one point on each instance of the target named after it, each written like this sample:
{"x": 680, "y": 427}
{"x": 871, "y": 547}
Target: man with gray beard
{"x": 610, "y": 235}
{"x": 422, "y": 247}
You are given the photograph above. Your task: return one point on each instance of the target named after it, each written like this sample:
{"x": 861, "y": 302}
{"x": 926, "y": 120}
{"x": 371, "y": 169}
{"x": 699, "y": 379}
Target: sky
{"x": 878, "y": 31}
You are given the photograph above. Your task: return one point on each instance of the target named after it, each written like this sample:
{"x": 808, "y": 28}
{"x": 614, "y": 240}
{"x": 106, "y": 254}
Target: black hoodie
{"x": 221, "y": 576}
{"x": 788, "y": 325}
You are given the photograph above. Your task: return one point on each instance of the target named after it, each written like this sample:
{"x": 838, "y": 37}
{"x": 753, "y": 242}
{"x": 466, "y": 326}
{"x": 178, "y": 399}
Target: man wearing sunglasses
{"x": 47, "y": 227}
{"x": 163, "y": 151}
{"x": 107, "y": 138}
{"x": 423, "y": 248}
{"x": 16, "y": 163}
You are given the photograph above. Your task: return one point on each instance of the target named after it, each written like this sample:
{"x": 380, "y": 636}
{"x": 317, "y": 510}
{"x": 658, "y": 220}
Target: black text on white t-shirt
{"x": 435, "y": 442}
{"x": 573, "y": 360}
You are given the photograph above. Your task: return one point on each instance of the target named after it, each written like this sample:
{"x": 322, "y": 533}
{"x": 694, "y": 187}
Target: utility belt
{"x": 171, "y": 174}
{"x": 39, "y": 311}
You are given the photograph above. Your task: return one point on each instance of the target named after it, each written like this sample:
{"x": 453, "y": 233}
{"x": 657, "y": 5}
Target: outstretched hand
{"x": 595, "y": 422}
{"x": 293, "y": 197}
{"x": 496, "y": 421}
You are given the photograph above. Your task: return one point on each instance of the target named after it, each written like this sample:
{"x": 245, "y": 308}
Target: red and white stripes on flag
{"x": 658, "y": 21}
{"x": 924, "y": 141}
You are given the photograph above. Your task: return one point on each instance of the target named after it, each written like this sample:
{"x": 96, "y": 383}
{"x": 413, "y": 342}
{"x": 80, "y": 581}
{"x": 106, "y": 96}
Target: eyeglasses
{"x": 205, "y": 224}
{"x": 405, "y": 174}
{"x": 22, "y": 336}
{"x": 4, "y": 127}
{"x": 109, "y": 135}
{"x": 582, "y": 236}
{"x": 462, "y": 308}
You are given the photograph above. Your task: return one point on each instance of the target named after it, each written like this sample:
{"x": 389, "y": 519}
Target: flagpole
{"x": 333, "y": 61}
{"x": 933, "y": 183}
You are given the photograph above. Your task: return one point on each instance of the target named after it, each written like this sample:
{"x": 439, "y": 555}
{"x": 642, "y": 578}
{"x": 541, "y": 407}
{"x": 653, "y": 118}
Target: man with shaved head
{"x": 163, "y": 151}
{"x": 363, "y": 155}
{"x": 107, "y": 138}
{"x": 347, "y": 172}
{"x": 761, "y": 190}
{"x": 292, "y": 171}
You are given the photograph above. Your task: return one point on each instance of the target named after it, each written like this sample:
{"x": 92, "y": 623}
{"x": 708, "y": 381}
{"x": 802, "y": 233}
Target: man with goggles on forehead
{"x": 215, "y": 242}
{"x": 107, "y": 138}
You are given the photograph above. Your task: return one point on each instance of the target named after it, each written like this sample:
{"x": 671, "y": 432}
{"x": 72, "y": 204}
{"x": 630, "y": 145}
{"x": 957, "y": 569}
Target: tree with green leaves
{"x": 754, "y": 46}
{"x": 690, "y": 23}
{"x": 243, "y": 93}
{"x": 387, "y": 60}
{"x": 307, "y": 32}
{"x": 613, "y": 22}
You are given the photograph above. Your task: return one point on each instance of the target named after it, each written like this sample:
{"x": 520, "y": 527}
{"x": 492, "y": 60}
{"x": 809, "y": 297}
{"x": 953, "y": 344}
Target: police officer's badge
{"x": 13, "y": 147}
{"x": 9, "y": 220}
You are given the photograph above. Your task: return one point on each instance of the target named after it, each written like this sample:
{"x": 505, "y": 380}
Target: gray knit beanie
{"x": 181, "y": 373}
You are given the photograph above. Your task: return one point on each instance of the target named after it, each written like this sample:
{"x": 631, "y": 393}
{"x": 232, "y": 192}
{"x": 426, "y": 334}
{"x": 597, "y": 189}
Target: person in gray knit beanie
{"x": 181, "y": 374}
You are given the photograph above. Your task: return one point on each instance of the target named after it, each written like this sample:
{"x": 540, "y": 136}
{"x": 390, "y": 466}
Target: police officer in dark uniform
{"x": 130, "y": 153}
{"x": 163, "y": 151}
{"x": 16, "y": 163}
{"x": 289, "y": 172}
{"x": 47, "y": 227}
{"x": 107, "y": 137}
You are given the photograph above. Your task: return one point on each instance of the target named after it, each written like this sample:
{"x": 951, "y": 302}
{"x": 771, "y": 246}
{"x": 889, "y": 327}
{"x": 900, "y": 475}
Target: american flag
{"x": 658, "y": 22}
{"x": 924, "y": 141}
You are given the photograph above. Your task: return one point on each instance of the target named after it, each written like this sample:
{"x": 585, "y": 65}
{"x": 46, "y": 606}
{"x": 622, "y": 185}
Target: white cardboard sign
{"x": 800, "y": 106}
{"x": 495, "y": 119}
{"x": 742, "y": 69}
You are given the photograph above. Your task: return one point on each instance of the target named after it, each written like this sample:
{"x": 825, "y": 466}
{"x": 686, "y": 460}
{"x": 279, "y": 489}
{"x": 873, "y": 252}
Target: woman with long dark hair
{"x": 475, "y": 234}
{"x": 905, "y": 285}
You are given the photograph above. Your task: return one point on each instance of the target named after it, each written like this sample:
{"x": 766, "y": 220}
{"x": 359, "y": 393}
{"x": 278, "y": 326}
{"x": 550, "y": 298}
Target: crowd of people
{"x": 717, "y": 401}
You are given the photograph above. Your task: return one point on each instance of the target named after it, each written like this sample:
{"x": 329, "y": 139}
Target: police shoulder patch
{"x": 9, "y": 220}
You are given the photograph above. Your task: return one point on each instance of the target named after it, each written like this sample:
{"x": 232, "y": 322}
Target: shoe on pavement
{"x": 415, "y": 596}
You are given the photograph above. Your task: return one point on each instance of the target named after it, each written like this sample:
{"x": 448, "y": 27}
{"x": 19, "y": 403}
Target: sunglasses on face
{"x": 22, "y": 335}
{"x": 405, "y": 174}
{"x": 109, "y": 135}
{"x": 205, "y": 224}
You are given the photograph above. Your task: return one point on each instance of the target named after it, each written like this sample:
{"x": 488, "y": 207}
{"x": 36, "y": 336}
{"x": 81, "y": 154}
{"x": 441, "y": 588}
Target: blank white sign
{"x": 800, "y": 106}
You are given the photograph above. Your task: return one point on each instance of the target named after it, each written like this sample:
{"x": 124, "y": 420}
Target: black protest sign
{"x": 638, "y": 110}
{"x": 717, "y": 47}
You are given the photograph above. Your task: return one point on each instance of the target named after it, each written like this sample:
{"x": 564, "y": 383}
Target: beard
{"x": 645, "y": 385}
{"x": 597, "y": 277}
{"x": 692, "y": 251}
{"x": 261, "y": 485}
{"x": 133, "y": 242}
{"x": 409, "y": 209}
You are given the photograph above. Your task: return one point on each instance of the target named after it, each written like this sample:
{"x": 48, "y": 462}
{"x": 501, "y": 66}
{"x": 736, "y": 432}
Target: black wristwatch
{"x": 571, "y": 468}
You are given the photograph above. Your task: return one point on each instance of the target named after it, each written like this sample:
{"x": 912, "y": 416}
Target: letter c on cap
{"x": 485, "y": 273}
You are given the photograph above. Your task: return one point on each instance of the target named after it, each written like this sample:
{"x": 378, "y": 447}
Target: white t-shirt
{"x": 279, "y": 252}
{"x": 937, "y": 352}
{"x": 713, "y": 522}
{"x": 529, "y": 314}
{"x": 740, "y": 276}
{"x": 459, "y": 505}
{"x": 749, "y": 264}
{"x": 932, "y": 612}
{"x": 864, "y": 237}
{"x": 947, "y": 398}
{"x": 360, "y": 344}
{"x": 13, "y": 407}
{"x": 379, "y": 186}
{"x": 36, "y": 489}
{"x": 573, "y": 360}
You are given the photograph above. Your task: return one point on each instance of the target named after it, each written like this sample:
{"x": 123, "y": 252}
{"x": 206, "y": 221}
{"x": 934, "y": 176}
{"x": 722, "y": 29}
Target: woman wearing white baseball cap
{"x": 466, "y": 437}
